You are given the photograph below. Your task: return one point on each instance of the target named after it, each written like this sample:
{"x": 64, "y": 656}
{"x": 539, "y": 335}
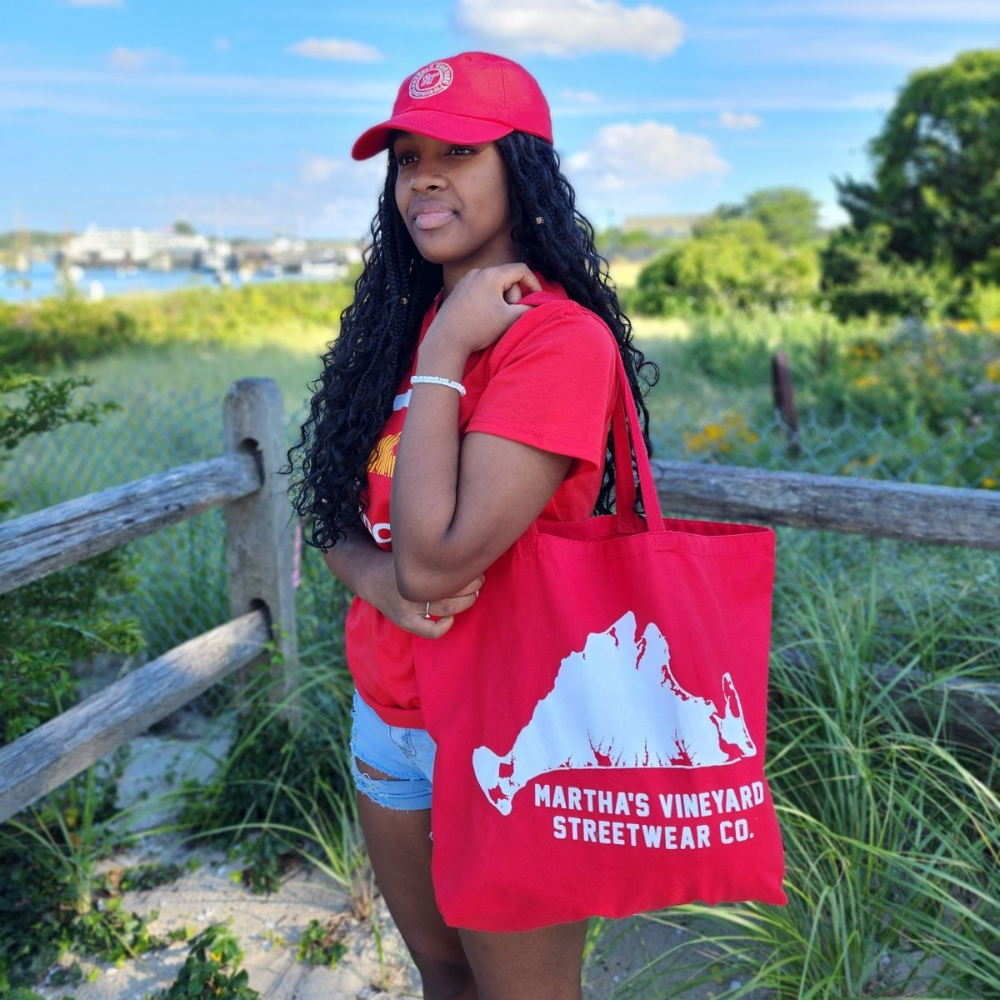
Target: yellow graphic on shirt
{"x": 383, "y": 458}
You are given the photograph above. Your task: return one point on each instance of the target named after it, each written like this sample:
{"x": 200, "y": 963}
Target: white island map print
{"x": 589, "y": 718}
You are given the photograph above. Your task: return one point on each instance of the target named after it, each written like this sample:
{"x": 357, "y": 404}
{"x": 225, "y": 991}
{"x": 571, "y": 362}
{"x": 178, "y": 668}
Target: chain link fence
{"x": 180, "y": 572}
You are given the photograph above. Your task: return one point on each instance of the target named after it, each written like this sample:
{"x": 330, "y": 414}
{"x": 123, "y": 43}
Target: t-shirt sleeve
{"x": 552, "y": 384}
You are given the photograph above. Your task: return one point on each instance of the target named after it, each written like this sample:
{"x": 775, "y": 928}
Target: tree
{"x": 936, "y": 184}
{"x": 789, "y": 215}
{"x": 727, "y": 263}
{"x": 860, "y": 276}
{"x": 184, "y": 228}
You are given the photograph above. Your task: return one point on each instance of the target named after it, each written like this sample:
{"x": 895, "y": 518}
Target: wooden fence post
{"x": 258, "y": 531}
{"x": 784, "y": 398}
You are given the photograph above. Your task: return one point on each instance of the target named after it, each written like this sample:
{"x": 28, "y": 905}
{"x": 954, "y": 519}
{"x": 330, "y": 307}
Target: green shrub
{"x": 982, "y": 304}
{"x": 60, "y": 619}
{"x": 62, "y": 330}
{"x": 49, "y": 894}
{"x": 66, "y": 329}
{"x": 52, "y": 897}
{"x": 862, "y": 277}
{"x": 726, "y": 264}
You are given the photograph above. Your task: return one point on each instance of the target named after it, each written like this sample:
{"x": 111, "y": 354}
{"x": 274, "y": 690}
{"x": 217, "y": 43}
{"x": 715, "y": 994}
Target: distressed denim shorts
{"x": 405, "y": 754}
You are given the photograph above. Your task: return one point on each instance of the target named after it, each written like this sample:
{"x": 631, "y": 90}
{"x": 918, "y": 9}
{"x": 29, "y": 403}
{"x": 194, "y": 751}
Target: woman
{"x": 433, "y": 402}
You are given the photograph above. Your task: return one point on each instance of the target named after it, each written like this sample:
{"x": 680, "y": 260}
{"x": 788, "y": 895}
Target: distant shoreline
{"x": 43, "y": 282}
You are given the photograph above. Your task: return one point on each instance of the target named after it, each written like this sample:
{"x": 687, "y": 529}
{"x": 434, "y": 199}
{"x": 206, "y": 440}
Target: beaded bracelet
{"x": 437, "y": 380}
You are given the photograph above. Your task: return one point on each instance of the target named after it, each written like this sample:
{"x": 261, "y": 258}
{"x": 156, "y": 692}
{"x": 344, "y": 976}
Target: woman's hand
{"x": 368, "y": 571}
{"x": 381, "y": 592}
{"x": 479, "y": 310}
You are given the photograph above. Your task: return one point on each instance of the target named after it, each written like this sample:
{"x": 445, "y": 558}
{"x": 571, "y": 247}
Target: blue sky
{"x": 240, "y": 116}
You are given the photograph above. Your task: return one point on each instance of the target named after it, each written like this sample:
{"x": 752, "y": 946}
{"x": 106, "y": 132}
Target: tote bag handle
{"x": 624, "y": 423}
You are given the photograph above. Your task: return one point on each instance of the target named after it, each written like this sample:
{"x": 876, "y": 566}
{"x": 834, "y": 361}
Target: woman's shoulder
{"x": 559, "y": 325}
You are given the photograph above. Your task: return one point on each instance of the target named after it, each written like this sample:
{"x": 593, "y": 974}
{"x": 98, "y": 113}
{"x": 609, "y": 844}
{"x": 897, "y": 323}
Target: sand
{"x": 375, "y": 964}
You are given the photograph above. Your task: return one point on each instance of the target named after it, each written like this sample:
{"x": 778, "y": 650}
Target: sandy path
{"x": 270, "y": 927}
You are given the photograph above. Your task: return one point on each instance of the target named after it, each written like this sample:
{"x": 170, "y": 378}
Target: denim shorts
{"x": 404, "y": 754}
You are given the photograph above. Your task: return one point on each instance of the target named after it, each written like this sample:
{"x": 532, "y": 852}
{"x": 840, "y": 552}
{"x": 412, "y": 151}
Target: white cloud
{"x": 334, "y": 97}
{"x": 624, "y": 156}
{"x": 580, "y": 96}
{"x": 128, "y": 60}
{"x": 846, "y": 50}
{"x": 340, "y": 203}
{"x": 317, "y": 169}
{"x": 12, "y": 99}
{"x": 97, "y": 3}
{"x": 739, "y": 121}
{"x": 814, "y": 42}
{"x": 341, "y": 173}
{"x": 569, "y": 27}
{"x": 221, "y": 45}
{"x": 951, "y": 11}
{"x": 335, "y": 48}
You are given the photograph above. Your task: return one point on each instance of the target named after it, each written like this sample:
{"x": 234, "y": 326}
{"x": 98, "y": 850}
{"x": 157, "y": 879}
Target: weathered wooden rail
{"x": 261, "y": 595}
{"x": 262, "y": 606}
{"x": 905, "y": 511}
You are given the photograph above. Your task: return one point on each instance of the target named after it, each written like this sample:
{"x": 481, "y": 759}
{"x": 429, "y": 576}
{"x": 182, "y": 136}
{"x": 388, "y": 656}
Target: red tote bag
{"x": 600, "y": 717}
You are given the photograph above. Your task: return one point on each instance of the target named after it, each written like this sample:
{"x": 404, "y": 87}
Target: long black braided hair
{"x": 378, "y": 333}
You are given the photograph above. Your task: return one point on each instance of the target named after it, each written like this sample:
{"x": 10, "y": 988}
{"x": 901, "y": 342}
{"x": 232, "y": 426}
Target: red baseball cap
{"x": 472, "y": 97}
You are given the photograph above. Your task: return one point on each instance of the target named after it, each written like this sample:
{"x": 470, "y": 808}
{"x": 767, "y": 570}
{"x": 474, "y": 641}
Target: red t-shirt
{"x": 550, "y": 384}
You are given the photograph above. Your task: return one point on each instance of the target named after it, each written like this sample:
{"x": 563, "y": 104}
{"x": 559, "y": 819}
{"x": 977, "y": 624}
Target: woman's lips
{"x": 432, "y": 220}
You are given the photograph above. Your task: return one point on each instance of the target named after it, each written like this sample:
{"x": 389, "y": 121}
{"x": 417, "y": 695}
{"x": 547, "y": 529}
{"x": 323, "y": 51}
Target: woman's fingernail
{"x": 477, "y": 593}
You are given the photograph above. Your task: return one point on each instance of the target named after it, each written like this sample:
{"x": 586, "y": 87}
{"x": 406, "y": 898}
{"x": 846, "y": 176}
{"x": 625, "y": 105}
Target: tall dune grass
{"x": 891, "y": 832}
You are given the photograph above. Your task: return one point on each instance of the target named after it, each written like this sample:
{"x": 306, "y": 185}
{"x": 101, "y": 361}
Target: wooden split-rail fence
{"x": 244, "y": 480}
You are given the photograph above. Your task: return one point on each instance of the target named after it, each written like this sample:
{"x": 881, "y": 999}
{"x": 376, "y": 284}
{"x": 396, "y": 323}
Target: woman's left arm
{"x": 457, "y": 506}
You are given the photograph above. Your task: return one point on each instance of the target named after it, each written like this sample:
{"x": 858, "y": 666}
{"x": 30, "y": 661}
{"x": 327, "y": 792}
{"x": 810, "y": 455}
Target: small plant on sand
{"x": 212, "y": 970}
{"x": 283, "y": 796}
{"x": 320, "y": 945}
{"x": 52, "y": 898}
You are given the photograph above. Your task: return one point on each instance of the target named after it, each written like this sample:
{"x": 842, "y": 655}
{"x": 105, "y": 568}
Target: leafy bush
{"x": 727, "y": 263}
{"x": 54, "y": 622}
{"x": 235, "y": 315}
{"x": 49, "y": 896}
{"x": 789, "y": 215}
{"x": 982, "y": 304}
{"x": 907, "y": 401}
{"x": 62, "y": 330}
{"x": 52, "y": 897}
{"x": 941, "y": 377}
{"x": 862, "y": 276}
{"x": 67, "y": 329}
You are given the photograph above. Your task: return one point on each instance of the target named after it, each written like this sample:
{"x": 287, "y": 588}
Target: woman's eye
{"x": 461, "y": 150}
{"x": 402, "y": 159}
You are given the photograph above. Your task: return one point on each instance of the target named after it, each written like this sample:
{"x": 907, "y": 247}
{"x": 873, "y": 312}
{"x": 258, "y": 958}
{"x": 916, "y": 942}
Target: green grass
{"x": 890, "y": 831}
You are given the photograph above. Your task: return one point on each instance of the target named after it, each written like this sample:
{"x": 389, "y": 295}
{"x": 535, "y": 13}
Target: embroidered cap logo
{"x": 431, "y": 80}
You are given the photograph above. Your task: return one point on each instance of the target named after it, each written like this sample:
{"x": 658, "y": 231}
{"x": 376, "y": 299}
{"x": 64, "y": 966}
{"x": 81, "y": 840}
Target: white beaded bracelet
{"x": 437, "y": 380}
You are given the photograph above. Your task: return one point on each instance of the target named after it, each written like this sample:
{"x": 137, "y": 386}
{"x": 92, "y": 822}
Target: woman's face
{"x": 454, "y": 203}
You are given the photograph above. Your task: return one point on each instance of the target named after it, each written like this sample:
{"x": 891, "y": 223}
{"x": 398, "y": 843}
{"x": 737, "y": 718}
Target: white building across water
{"x": 96, "y": 247}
